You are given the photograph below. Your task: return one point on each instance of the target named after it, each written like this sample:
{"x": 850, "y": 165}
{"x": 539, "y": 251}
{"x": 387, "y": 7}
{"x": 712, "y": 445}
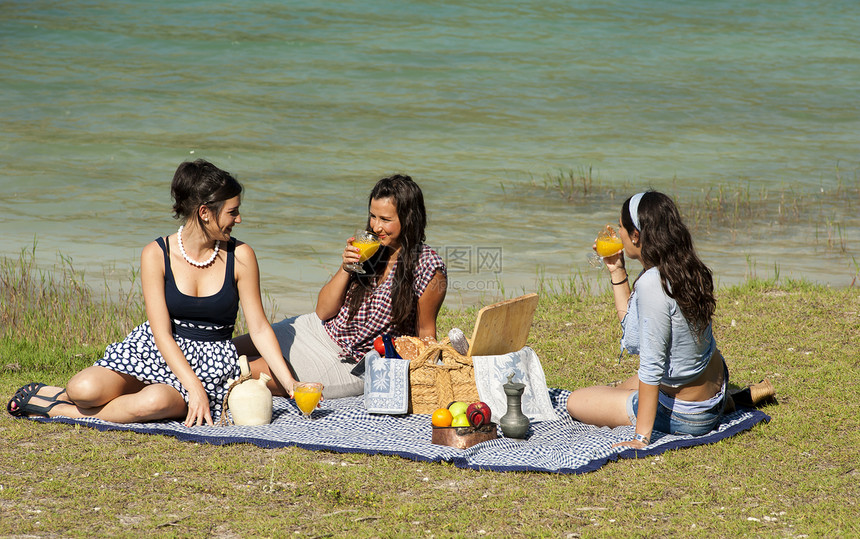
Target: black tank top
{"x": 208, "y": 318}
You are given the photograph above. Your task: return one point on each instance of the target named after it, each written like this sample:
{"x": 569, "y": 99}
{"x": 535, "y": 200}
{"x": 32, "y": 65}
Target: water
{"x": 308, "y": 103}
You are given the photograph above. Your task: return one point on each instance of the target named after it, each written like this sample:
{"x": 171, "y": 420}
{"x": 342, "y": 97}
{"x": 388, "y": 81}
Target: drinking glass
{"x": 607, "y": 244}
{"x": 368, "y": 244}
{"x": 307, "y": 396}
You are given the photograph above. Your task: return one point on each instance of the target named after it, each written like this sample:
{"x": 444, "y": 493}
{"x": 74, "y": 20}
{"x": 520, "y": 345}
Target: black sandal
{"x": 22, "y": 401}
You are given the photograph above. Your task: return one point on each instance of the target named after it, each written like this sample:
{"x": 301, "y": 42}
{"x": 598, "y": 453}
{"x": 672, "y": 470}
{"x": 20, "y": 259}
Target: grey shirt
{"x": 670, "y": 353}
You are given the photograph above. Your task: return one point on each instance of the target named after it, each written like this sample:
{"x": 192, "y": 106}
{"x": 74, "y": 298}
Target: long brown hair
{"x": 668, "y": 245}
{"x": 409, "y": 202}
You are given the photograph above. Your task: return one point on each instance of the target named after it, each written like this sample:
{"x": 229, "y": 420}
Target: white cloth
{"x": 491, "y": 373}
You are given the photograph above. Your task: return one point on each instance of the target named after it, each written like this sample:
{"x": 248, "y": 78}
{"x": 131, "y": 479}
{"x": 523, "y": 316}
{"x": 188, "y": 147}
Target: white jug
{"x": 250, "y": 402}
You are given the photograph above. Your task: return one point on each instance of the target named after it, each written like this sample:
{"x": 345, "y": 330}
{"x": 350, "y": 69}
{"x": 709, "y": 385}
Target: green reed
{"x": 576, "y": 186}
{"x": 733, "y": 208}
{"x": 573, "y": 286}
{"x": 56, "y": 307}
{"x": 738, "y": 207}
{"x": 856, "y": 277}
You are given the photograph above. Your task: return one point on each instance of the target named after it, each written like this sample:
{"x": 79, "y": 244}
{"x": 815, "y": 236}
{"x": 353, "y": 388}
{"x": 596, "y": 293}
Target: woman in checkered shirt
{"x": 400, "y": 294}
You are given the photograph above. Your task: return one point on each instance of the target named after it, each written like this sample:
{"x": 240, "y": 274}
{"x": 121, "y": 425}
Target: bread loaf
{"x": 410, "y": 347}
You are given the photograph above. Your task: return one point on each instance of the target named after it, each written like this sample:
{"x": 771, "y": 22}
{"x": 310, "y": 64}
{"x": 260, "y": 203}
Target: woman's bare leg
{"x": 151, "y": 403}
{"x": 96, "y": 386}
{"x": 258, "y": 365}
{"x": 603, "y": 406}
{"x": 245, "y": 347}
{"x": 630, "y": 383}
{"x": 105, "y": 394}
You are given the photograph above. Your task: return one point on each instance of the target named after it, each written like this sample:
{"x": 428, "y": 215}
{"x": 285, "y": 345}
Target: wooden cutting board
{"x": 503, "y": 327}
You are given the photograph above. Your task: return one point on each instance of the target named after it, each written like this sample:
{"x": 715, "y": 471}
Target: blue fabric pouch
{"x": 386, "y": 384}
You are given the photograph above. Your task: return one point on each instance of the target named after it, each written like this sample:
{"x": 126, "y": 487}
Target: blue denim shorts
{"x": 672, "y": 422}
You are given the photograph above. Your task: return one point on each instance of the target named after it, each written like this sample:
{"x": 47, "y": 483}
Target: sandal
{"x": 23, "y": 407}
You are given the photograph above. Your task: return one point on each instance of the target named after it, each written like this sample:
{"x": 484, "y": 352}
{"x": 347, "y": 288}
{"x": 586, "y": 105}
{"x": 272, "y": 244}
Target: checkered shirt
{"x": 355, "y": 337}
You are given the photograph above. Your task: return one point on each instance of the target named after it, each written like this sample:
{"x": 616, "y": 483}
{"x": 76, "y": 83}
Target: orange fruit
{"x": 442, "y": 418}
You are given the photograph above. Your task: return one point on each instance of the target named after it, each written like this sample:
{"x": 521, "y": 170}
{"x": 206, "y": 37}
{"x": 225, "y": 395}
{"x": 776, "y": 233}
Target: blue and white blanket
{"x": 344, "y": 426}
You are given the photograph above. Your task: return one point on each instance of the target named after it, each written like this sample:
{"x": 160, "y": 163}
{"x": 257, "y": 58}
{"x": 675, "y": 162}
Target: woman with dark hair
{"x": 681, "y": 385}
{"x": 179, "y": 362}
{"x": 400, "y": 294}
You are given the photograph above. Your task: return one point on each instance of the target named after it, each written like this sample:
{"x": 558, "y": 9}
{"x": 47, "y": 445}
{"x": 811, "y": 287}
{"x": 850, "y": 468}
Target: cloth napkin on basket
{"x": 386, "y": 384}
{"x": 491, "y": 373}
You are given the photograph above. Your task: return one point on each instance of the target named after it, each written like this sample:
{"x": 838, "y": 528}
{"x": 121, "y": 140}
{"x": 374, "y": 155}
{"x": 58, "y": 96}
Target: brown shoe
{"x": 762, "y": 392}
{"x": 754, "y": 395}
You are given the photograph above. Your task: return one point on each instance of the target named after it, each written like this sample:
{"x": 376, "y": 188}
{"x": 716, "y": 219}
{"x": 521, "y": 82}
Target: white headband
{"x": 634, "y": 209}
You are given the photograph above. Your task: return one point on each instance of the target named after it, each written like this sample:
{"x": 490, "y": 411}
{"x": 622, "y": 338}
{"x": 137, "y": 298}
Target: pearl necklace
{"x": 194, "y": 262}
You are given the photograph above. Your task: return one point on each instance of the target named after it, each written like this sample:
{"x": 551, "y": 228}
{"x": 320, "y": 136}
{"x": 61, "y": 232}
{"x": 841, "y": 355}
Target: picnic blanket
{"x": 343, "y": 425}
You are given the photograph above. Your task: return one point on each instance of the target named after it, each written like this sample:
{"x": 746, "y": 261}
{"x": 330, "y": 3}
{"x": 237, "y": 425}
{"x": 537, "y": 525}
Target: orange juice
{"x": 366, "y": 248}
{"x": 608, "y": 246}
{"x": 307, "y": 397}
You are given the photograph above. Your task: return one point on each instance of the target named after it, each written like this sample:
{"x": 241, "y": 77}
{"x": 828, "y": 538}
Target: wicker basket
{"x": 433, "y": 385}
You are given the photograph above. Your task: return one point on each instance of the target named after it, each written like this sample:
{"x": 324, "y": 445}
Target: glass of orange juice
{"x": 307, "y": 396}
{"x": 607, "y": 244}
{"x": 368, "y": 244}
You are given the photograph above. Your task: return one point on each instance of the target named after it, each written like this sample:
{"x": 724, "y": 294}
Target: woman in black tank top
{"x": 177, "y": 364}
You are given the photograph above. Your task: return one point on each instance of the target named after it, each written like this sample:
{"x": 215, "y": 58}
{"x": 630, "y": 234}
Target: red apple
{"x": 379, "y": 346}
{"x": 479, "y": 414}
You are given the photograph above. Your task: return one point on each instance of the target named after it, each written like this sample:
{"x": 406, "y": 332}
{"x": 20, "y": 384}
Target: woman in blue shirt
{"x": 681, "y": 384}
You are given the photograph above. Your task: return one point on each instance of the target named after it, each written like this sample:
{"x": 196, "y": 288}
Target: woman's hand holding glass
{"x": 608, "y": 249}
{"x": 615, "y": 262}
{"x": 351, "y": 255}
{"x": 359, "y": 248}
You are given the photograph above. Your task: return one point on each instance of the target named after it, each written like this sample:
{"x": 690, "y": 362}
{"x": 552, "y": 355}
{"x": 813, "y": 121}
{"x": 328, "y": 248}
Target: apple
{"x": 460, "y": 420}
{"x": 379, "y": 346}
{"x": 457, "y": 408}
{"x": 479, "y": 414}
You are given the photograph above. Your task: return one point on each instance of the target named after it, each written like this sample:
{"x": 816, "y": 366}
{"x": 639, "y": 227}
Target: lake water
{"x": 483, "y": 103}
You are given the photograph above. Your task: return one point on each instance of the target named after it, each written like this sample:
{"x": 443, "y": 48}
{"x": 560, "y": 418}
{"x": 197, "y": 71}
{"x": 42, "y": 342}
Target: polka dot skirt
{"x": 214, "y": 363}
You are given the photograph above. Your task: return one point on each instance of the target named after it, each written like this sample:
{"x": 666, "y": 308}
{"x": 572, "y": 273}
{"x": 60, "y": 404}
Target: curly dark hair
{"x": 667, "y": 245}
{"x": 409, "y": 202}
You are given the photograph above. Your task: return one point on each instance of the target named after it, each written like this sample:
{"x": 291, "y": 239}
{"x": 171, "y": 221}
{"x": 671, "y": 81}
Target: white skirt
{"x": 314, "y": 356}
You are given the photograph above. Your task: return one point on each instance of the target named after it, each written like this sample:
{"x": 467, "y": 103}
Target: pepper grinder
{"x": 514, "y": 423}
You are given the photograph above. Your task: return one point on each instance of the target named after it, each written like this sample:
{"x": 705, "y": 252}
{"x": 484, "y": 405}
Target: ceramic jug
{"x": 250, "y": 402}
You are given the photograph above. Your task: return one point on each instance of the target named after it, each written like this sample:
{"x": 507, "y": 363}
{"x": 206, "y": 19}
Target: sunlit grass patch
{"x": 794, "y": 476}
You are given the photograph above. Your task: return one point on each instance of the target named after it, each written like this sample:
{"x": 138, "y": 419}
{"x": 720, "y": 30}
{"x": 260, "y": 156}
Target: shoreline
{"x": 107, "y": 280}
{"x": 740, "y": 233}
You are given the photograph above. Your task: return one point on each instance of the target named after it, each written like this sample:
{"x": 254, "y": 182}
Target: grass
{"x": 57, "y": 308}
{"x": 796, "y": 476}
